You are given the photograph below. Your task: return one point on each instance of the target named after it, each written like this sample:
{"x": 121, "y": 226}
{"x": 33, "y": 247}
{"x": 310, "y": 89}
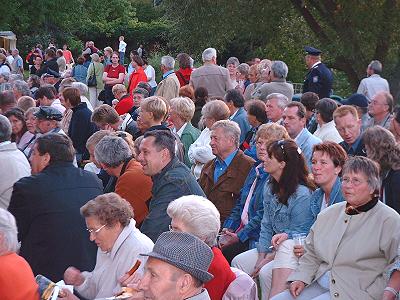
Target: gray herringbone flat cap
{"x": 184, "y": 251}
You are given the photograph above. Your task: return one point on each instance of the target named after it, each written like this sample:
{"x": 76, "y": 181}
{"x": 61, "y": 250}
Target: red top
{"x": 137, "y": 76}
{"x": 67, "y": 55}
{"x": 114, "y": 72}
{"x": 223, "y": 275}
{"x": 184, "y": 76}
{"x": 124, "y": 105}
{"x": 16, "y": 279}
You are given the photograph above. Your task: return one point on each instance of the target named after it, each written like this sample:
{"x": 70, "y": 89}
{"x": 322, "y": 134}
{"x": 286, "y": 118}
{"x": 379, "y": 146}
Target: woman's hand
{"x": 279, "y": 238}
{"x": 73, "y": 276}
{"x": 298, "y": 250}
{"x": 296, "y": 287}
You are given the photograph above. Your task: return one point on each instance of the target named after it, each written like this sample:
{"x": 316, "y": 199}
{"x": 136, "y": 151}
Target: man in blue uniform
{"x": 319, "y": 78}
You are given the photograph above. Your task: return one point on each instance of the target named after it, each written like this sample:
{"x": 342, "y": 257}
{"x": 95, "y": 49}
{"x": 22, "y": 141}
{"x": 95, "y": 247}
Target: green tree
{"x": 351, "y": 33}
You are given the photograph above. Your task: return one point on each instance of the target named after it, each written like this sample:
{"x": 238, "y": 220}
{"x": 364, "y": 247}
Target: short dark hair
{"x": 137, "y": 59}
{"x": 50, "y": 52}
{"x": 45, "y": 91}
{"x": 335, "y": 152}
{"x": 7, "y": 98}
{"x": 163, "y": 139}
{"x": 80, "y": 60}
{"x": 200, "y": 95}
{"x": 325, "y": 108}
{"x": 234, "y": 96}
{"x": 72, "y": 95}
{"x": 58, "y": 146}
{"x": 257, "y": 108}
{"x": 309, "y": 99}
{"x": 105, "y": 114}
{"x": 301, "y": 110}
{"x": 183, "y": 60}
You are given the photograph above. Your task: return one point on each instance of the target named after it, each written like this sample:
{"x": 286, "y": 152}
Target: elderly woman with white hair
{"x": 181, "y": 113}
{"x": 231, "y": 64}
{"x": 83, "y": 91}
{"x": 96, "y": 68}
{"x": 16, "y": 277}
{"x": 200, "y": 217}
{"x": 200, "y": 151}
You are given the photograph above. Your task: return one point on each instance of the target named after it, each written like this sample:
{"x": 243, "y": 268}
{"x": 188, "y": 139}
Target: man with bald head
{"x": 380, "y": 109}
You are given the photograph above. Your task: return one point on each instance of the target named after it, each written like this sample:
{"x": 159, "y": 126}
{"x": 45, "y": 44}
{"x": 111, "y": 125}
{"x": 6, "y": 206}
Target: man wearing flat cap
{"x": 177, "y": 268}
{"x": 48, "y": 119}
{"x": 319, "y": 78}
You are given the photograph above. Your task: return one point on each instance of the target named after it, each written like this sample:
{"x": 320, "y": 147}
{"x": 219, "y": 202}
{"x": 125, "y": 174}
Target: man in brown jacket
{"x": 168, "y": 88}
{"x": 222, "y": 178}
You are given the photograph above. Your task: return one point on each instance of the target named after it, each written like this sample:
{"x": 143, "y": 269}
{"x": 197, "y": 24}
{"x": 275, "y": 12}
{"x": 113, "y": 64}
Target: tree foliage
{"x": 75, "y": 21}
{"x": 351, "y": 33}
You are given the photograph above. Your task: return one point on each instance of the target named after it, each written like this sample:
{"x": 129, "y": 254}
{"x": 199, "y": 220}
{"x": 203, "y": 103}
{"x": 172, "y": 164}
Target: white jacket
{"x": 13, "y": 166}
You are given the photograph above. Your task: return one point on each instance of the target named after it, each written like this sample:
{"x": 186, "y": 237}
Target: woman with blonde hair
{"x": 4, "y": 66}
{"x": 381, "y": 146}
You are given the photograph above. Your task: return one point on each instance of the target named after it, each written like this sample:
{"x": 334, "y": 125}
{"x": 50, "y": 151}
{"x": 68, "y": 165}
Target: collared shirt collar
{"x": 298, "y": 138}
{"x": 180, "y": 131}
{"x": 122, "y": 237}
{"x": 316, "y": 64}
{"x": 234, "y": 114}
{"x": 227, "y": 161}
{"x": 165, "y": 75}
{"x": 5, "y": 143}
{"x": 355, "y": 144}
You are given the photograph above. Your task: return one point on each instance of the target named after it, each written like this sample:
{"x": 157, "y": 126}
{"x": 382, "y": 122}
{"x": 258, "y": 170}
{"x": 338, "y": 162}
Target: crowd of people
{"x": 214, "y": 183}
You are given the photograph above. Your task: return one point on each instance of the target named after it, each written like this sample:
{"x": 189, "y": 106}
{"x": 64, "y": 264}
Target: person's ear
{"x": 46, "y": 159}
{"x": 185, "y": 283}
{"x": 283, "y": 164}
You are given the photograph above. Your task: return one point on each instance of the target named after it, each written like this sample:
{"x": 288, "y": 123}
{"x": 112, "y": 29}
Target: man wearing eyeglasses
{"x": 46, "y": 206}
{"x": 381, "y": 108}
{"x": 348, "y": 124}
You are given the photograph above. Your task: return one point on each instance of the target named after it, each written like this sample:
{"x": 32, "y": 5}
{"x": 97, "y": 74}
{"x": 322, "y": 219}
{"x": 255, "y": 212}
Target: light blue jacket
{"x": 296, "y": 217}
{"x": 241, "y": 119}
{"x": 317, "y": 197}
{"x": 306, "y": 141}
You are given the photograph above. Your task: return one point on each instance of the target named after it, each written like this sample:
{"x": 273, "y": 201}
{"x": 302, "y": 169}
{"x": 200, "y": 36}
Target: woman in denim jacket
{"x": 327, "y": 161}
{"x": 286, "y": 211}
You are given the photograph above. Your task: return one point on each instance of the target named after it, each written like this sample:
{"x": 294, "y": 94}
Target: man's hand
{"x": 296, "y": 287}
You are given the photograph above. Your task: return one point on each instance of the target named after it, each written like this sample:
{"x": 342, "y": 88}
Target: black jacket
{"x": 51, "y": 230}
{"x": 360, "y": 150}
{"x": 319, "y": 80}
{"x": 50, "y": 67}
{"x": 391, "y": 186}
{"x": 81, "y": 128}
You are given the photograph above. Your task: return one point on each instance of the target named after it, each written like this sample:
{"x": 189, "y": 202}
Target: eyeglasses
{"x": 95, "y": 231}
{"x": 352, "y": 181}
{"x": 171, "y": 228}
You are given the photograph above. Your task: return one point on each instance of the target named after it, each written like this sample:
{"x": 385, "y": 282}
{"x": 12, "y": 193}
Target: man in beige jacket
{"x": 168, "y": 88}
